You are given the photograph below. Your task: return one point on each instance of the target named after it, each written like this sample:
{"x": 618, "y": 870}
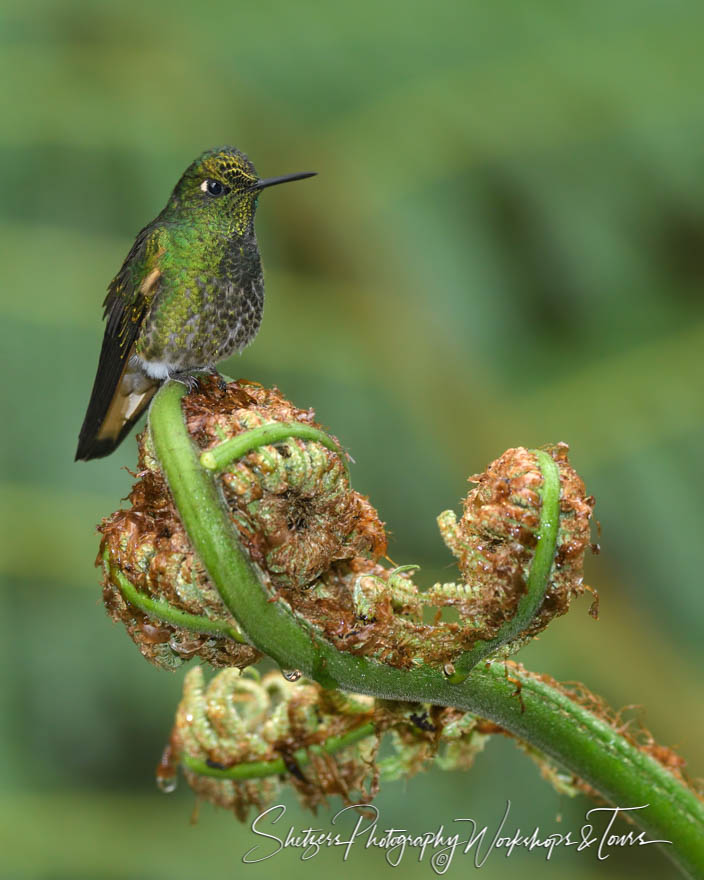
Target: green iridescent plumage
{"x": 189, "y": 294}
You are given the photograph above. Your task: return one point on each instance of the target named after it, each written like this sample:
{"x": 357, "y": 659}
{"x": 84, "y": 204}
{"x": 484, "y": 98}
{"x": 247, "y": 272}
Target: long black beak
{"x": 275, "y": 181}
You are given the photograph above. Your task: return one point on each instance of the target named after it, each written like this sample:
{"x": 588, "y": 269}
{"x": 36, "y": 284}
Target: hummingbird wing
{"x": 121, "y": 391}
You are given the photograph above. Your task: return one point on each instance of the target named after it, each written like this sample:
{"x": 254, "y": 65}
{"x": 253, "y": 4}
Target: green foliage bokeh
{"x": 504, "y": 246}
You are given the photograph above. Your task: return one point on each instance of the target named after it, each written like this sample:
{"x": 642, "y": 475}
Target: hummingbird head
{"x": 222, "y": 185}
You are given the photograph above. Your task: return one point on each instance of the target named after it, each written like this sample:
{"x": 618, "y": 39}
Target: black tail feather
{"x": 94, "y": 441}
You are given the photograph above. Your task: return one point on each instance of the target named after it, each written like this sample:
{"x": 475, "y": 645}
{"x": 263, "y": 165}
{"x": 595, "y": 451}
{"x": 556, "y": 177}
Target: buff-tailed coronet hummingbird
{"x": 189, "y": 294}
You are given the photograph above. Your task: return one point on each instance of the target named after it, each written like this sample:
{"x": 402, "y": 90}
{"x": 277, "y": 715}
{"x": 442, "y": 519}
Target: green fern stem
{"x": 544, "y": 716}
{"x": 258, "y": 769}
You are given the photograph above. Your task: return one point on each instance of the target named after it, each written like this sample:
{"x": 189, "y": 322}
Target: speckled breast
{"x": 204, "y": 323}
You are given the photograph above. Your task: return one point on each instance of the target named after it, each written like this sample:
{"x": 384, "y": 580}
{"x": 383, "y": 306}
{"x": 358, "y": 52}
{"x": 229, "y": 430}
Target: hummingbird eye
{"x": 212, "y": 187}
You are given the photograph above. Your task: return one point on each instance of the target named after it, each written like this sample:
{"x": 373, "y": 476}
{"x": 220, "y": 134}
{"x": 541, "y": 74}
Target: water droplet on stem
{"x": 167, "y": 784}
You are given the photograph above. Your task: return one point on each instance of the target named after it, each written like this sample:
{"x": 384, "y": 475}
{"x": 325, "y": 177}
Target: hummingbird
{"x": 189, "y": 294}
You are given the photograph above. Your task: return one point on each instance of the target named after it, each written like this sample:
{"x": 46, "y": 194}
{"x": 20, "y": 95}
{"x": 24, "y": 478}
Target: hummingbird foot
{"x": 191, "y": 382}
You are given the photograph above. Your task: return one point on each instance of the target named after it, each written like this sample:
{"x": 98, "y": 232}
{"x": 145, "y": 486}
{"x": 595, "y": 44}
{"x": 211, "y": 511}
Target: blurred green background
{"x": 504, "y": 246}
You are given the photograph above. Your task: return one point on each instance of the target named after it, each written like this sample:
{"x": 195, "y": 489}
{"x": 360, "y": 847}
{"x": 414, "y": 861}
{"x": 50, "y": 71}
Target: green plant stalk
{"x": 258, "y": 769}
{"x": 165, "y": 613}
{"x": 220, "y": 456}
{"x": 538, "y": 579}
{"x": 544, "y": 717}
